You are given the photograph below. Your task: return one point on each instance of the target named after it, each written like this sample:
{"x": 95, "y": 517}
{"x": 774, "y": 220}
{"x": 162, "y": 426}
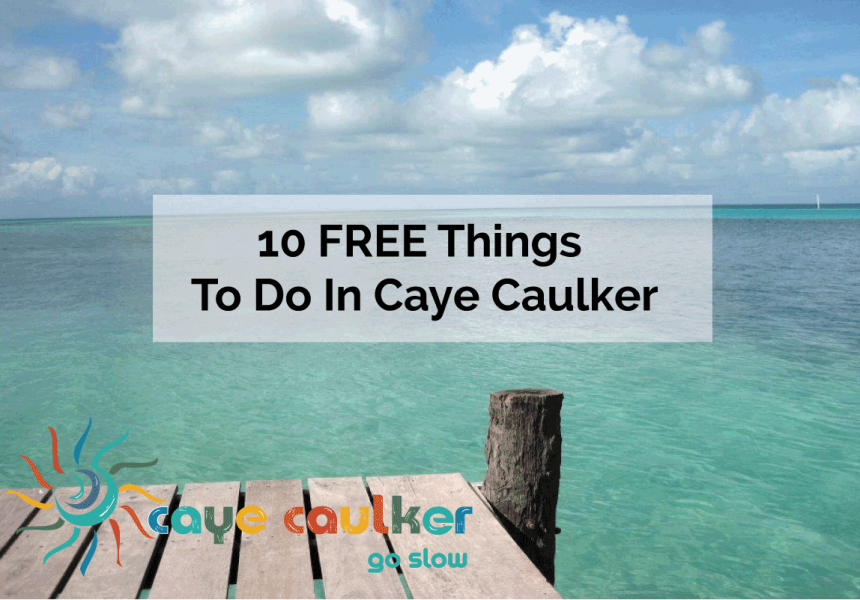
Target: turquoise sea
{"x": 688, "y": 470}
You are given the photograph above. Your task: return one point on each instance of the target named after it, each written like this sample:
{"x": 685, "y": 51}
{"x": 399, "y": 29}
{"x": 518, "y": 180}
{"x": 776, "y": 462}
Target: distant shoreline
{"x": 805, "y": 206}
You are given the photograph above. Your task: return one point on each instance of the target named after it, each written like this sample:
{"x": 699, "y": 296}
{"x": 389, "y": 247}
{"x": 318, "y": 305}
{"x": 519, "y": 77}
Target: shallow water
{"x": 689, "y": 470}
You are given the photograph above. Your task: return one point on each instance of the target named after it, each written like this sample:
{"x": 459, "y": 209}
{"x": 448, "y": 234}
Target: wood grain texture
{"x": 275, "y": 563}
{"x": 496, "y": 567}
{"x": 22, "y": 574}
{"x": 13, "y": 511}
{"x": 523, "y": 452}
{"x": 343, "y": 556}
{"x": 192, "y": 565}
{"x": 105, "y": 578}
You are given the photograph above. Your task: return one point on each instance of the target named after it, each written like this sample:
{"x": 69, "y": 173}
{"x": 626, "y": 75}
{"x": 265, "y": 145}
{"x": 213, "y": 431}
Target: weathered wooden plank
{"x": 496, "y": 567}
{"x": 343, "y": 556}
{"x": 105, "y": 578}
{"x": 13, "y": 511}
{"x": 22, "y": 574}
{"x": 192, "y": 565}
{"x": 275, "y": 563}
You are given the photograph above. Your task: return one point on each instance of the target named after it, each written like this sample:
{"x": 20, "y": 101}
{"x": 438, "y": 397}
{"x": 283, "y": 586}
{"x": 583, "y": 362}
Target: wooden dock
{"x": 506, "y": 538}
{"x": 274, "y": 563}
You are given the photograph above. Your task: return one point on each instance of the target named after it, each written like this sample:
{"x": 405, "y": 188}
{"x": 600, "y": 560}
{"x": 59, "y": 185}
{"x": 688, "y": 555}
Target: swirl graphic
{"x": 80, "y": 445}
{"x": 134, "y": 518}
{"x": 51, "y": 527}
{"x": 94, "y": 491}
{"x": 54, "y": 451}
{"x": 108, "y": 503}
{"x": 38, "y": 475}
{"x": 100, "y": 481}
{"x": 80, "y": 494}
{"x": 90, "y": 552}
{"x": 131, "y": 465}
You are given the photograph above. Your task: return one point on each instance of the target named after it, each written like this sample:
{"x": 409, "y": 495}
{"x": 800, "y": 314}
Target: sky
{"x": 104, "y": 103}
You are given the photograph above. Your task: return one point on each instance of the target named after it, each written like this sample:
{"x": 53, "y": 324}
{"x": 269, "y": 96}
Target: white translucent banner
{"x": 498, "y": 269}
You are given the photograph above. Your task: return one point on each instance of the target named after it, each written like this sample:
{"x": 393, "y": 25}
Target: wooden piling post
{"x": 523, "y": 452}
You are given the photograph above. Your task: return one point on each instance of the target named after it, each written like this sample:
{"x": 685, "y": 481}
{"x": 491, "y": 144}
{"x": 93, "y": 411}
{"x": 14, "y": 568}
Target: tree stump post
{"x": 523, "y": 453}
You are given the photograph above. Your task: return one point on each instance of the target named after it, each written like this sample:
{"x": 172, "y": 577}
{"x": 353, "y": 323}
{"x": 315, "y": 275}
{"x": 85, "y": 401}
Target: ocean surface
{"x": 689, "y": 470}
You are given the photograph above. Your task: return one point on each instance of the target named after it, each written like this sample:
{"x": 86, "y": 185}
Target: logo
{"x": 80, "y": 517}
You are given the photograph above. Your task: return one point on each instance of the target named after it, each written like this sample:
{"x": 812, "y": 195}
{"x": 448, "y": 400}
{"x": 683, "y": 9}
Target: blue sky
{"x": 105, "y": 103}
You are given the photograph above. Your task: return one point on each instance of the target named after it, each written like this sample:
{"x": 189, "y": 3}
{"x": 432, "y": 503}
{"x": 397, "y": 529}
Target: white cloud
{"x": 721, "y": 140}
{"x": 78, "y": 180}
{"x": 169, "y": 185}
{"x": 203, "y": 50}
{"x": 120, "y": 12}
{"x": 569, "y": 105}
{"x": 713, "y": 39}
{"x": 232, "y": 140}
{"x": 818, "y": 119}
{"x": 815, "y": 133}
{"x": 353, "y": 111}
{"x": 40, "y": 73}
{"x": 582, "y": 73}
{"x": 46, "y": 175}
{"x": 226, "y": 182}
{"x": 809, "y": 161}
{"x": 154, "y": 106}
{"x": 405, "y": 173}
{"x": 565, "y": 104}
{"x": 64, "y": 116}
{"x": 41, "y": 170}
{"x": 573, "y": 104}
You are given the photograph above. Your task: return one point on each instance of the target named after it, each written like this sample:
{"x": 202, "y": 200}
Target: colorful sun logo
{"x": 98, "y": 479}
